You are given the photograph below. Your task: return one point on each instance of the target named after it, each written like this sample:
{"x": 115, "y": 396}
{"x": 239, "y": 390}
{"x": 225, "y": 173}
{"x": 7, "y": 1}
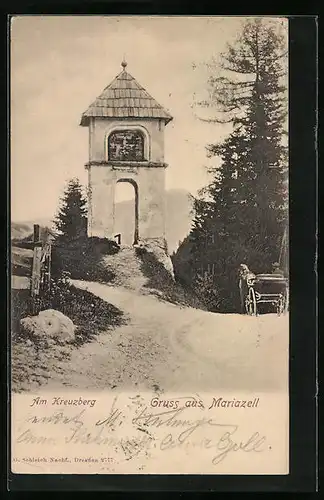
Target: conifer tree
{"x": 71, "y": 221}
{"x": 243, "y": 217}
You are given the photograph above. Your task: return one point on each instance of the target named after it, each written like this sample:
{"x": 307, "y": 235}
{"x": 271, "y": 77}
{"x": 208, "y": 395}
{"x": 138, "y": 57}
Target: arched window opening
{"x": 126, "y": 145}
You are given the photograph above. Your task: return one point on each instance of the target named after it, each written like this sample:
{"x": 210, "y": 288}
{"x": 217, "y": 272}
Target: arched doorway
{"x": 126, "y": 211}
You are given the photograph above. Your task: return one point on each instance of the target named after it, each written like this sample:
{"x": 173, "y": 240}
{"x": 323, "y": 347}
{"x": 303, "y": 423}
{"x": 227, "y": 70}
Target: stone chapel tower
{"x": 126, "y": 144}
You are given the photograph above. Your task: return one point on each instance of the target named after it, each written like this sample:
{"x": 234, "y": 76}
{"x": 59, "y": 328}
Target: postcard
{"x": 149, "y": 245}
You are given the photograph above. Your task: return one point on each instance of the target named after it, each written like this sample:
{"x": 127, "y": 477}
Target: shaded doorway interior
{"x": 126, "y": 211}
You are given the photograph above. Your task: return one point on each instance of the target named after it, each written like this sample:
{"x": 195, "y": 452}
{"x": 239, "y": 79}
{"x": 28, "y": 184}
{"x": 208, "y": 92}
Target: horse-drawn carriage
{"x": 260, "y": 289}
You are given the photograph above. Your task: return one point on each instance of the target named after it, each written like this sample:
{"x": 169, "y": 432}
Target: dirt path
{"x": 167, "y": 347}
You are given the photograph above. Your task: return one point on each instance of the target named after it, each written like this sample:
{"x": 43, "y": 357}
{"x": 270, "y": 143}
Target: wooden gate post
{"x": 36, "y": 269}
{"x": 36, "y": 233}
{"x": 41, "y": 271}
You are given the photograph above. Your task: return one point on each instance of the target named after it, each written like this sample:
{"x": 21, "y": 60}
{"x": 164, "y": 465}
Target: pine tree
{"x": 244, "y": 215}
{"x": 71, "y": 221}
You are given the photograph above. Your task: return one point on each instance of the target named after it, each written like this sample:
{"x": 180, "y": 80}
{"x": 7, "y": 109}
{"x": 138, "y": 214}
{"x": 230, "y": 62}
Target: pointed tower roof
{"x": 124, "y": 97}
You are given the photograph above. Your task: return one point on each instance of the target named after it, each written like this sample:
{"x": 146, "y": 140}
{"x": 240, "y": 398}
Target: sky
{"x": 60, "y": 64}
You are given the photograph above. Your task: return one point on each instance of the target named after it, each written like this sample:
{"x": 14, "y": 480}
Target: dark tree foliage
{"x": 71, "y": 221}
{"x": 243, "y": 213}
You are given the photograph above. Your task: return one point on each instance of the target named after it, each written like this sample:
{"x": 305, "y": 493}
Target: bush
{"x": 82, "y": 258}
{"x": 208, "y": 292}
{"x": 33, "y": 363}
{"x": 88, "y": 312}
{"x": 140, "y": 251}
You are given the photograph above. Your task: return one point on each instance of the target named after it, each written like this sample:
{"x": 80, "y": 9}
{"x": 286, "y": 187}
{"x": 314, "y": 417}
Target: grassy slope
{"x": 31, "y": 362}
{"x": 82, "y": 258}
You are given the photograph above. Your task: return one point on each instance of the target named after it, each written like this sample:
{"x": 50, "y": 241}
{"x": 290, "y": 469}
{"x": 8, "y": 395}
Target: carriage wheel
{"x": 286, "y": 300}
{"x": 281, "y": 305}
{"x": 250, "y": 303}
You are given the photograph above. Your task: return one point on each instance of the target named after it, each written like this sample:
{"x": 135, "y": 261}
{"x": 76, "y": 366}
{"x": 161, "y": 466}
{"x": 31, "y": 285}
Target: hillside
{"x": 178, "y": 220}
{"x": 21, "y": 230}
{"x": 21, "y": 261}
{"x": 21, "y": 246}
{"x": 146, "y": 271}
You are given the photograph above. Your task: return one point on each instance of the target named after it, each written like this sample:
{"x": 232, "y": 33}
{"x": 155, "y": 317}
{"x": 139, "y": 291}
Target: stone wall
{"x": 149, "y": 178}
{"x": 151, "y": 200}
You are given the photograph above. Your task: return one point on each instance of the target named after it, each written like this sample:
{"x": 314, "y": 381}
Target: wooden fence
{"x": 40, "y": 283}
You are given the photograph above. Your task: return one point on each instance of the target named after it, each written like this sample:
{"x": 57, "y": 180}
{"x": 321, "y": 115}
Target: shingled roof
{"x": 125, "y": 98}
